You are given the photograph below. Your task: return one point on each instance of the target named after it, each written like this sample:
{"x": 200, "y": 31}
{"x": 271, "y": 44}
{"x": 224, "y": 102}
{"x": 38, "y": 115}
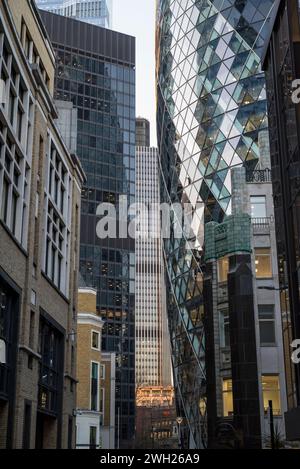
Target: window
{"x": 227, "y": 398}
{"x": 102, "y": 371}
{"x": 58, "y": 221}
{"x": 263, "y": 263}
{"x": 27, "y": 425}
{"x": 93, "y": 437}
{"x": 95, "y": 340}
{"x": 224, "y": 329}
{"x": 266, "y": 325}
{"x": 258, "y": 207}
{"x": 223, "y": 269}
{"x": 102, "y": 401}
{"x": 271, "y": 392}
{"x": 51, "y": 349}
{"x": 95, "y": 386}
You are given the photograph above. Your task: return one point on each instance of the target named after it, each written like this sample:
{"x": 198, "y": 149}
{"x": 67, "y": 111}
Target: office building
{"x": 142, "y": 132}
{"x": 97, "y": 12}
{"x": 96, "y": 71}
{"x": 156, "y": 426}
{"x": 40, "y": 194}
{"x": 211, "y": 110}
{"x": 95, "y": 412}
{"x": 282, "y": 66}
{"x": 244, "y": 348}
{"x": 153, "y": 362}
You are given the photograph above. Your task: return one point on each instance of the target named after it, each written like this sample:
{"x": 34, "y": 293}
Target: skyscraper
{"x": 211, "y": 109}
{"x": 97, "y": 12}
{"x": 152, "y": 338}
{"x": 142, "y": 132}
{"x": 96, "y": 71}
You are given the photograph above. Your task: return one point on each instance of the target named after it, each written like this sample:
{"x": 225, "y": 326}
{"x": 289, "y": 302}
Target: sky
{"x": 137, "y": 18}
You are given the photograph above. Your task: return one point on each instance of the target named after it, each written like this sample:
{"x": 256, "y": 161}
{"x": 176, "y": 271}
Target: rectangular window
{"x": 101, "y": 400}
{"x": 258, "y": 207}
{"x": 223, "y": 269}
{"x": 93, "y": 437}
{"x": 102, "y": 371}
{"x": 27, "y": 425}
{"x": 271, "y": 392}
{"x": 95, "y": 386}
{"x": 224, "y": 329}
{"x": 4, "y": 204}
{"x": 266, "y": 325}
{"x": 227, "y": 398}
{"x": 263, "y": 263}
{"x": 95, "y": 340}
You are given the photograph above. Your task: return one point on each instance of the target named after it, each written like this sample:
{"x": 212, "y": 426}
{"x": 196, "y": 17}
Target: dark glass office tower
{"x": 282, "y": 66}
{"x": 96, "y": 71}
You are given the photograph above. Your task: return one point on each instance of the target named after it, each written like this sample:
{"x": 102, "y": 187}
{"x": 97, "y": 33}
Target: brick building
{"x": 96, "y": 375}
{"x": 40, "y": 195}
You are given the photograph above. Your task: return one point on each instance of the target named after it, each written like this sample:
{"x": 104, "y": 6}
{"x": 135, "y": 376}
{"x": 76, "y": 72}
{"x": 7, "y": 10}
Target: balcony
{"x": 259, "y": 176}
{"x": 262, "y": 226}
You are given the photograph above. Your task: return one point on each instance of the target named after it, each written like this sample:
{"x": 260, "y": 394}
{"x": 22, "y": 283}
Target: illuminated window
{"x": 223, "y": 269}
{"x": 263, "y": 263}
{"x": 271, "y": 392}
{"x": 227, "y": 398}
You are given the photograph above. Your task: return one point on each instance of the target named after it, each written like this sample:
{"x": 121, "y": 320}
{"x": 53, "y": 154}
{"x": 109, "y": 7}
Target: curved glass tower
{"x": 211, "y": 110}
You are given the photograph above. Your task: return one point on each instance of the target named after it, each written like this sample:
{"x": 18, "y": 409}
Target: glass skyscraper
{"x": 96, "y": 71}
{"x": 211, "y": 110}
{"x": 97, "y": 12}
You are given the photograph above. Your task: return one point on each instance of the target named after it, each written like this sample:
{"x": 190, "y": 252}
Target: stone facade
{"x": 39, "y": 412}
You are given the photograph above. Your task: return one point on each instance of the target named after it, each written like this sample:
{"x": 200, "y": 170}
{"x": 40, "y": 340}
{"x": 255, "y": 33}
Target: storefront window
{"x": 271, "y": 392}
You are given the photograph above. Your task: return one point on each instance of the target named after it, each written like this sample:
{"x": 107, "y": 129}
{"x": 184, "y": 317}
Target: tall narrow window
{"x": 258, "y": 207}
{"x": 95, "y": 386}
{"x": 227, "y": 398}
{"x": 27, "y": 425}
{"x": 4, "y": 204}
{"x": 224, "y": 329}
{"x": 223, "y": 269}
{"x": 93, "y": 437}
{"x": 266, "y": 325}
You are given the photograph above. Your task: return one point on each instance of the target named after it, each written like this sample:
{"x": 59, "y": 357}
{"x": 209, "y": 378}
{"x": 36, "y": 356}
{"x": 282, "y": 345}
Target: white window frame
{"x": 99, "y": 340}
{"x": 98, "y": 387}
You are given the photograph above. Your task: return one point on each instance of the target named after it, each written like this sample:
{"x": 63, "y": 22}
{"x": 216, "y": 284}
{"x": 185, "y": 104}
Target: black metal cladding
{"x": 282, "y": 66}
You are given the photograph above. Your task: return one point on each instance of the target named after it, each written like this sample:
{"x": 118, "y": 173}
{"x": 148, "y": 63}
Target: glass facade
{"x": 101, "y": 84}
{"x": 211, "y": 110}
{"x": 97, "y": 12}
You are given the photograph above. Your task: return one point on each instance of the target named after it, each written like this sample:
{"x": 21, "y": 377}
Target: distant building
{"x": 244, "y": 349}
{"x": 153, "y": 360}
{"x": 156, "y": 426}
{"x": 40, "y": 194}
{"x": 142, "y": 132}
{"x": 97, "y": 12}
{"x": 96, "y": 375}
